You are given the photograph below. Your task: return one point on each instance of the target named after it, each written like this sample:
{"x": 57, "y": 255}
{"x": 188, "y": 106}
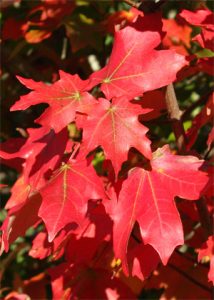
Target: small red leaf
{"x": 65, "y": 97}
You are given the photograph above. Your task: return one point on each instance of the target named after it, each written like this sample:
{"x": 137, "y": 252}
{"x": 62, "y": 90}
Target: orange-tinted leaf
{"x": 178, "y": 36}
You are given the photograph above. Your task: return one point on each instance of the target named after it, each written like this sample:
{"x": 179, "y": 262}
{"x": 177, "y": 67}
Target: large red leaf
{"x": 147, "y": 197}
{"x": 115, "y": 127}
{"x": 66, "y": 196}
{"x": 65, "y": 97}
{"x": 134, "y": 66}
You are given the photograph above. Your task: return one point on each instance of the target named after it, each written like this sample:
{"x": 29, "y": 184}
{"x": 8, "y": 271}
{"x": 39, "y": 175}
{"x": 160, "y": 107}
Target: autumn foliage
{"x": 109, "y": 173}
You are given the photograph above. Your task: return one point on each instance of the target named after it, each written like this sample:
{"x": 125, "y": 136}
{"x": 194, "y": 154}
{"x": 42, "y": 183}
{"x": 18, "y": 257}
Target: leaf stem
{"x": 76, "y": 148}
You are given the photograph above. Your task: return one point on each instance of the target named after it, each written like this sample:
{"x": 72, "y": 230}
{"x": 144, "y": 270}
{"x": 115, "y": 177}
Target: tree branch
{"x": 175, "y": 117}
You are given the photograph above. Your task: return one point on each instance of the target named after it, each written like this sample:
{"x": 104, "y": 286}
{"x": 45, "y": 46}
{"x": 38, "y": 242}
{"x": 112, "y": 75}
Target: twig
{"x": 175, "y": 117}
{"x": 132, "y": 3}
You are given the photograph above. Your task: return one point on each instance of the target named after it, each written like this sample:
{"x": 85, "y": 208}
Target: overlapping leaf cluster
{"x": 128, "y": 211}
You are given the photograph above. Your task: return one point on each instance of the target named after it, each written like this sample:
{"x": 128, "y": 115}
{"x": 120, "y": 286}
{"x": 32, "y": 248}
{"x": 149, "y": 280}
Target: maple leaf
{"x": 205, "y": 39}
{"x": 19, "y": 193}
{"x": 200, "y": 17}
{"x": 66, "y": 196}
{"x": 178, "y": 35}
{"x": 10, "y": 147}
{"x": 42, "y": 151}
{"x": 154, "y": 100}
{"x": 19, "y": 219}
{"x": 44, "y": 18}
{"x": 41, "y": 248}
{"x": 65, "y": 97}
{"x": 206, "y": 253}
{"x": 47, "y": 155}
{"x": 115, "y": 127}
{"x": 204, "y": 19}
{"x": 142, "y": 259}
{"x": 118, "y": 18}
{"x": 134, "y": 67}
{"x": 147, "y": 197}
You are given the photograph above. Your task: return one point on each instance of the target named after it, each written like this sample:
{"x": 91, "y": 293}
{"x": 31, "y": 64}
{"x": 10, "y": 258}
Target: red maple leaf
{"x": 147, "y": 197}
{"x": 134, "y": 66}
{"x": 19, "y": 219}
{"x": 178, "y": 35}
{"x": 19, "y": 193}
{"x": 65, "y": 97}
{"x": 200, "y": 17}
{"x": 204, "y": 19}
{"x": 142, "y": 259}
{"x": 115, "y": 127}
{"x": 42, "y": 151}
{"x": 156, "y": 102}
{"x": 66, "y": 196}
